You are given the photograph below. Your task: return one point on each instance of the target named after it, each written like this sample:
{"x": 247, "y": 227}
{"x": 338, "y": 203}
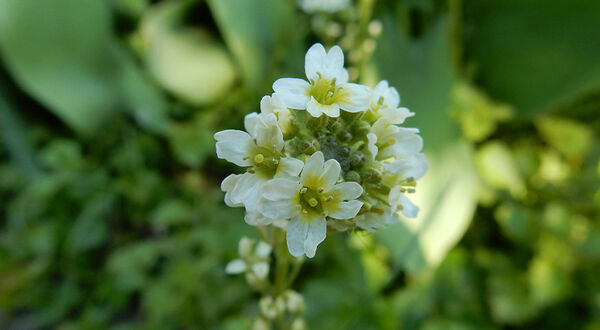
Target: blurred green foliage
{"x": 112, "y": 215}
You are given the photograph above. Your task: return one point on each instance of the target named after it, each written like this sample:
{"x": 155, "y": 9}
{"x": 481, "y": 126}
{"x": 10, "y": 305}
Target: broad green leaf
{"x": 184, "y": 60}
{"x": 571, "y": 138}
{"x": 250, "y": 29}
{"x": 497, "y": 166}
{"x": 59, "y": 52}
{"x": 63, "y": 53}
{"x": 535, "y": 54}
{"x": 446, "y": 195}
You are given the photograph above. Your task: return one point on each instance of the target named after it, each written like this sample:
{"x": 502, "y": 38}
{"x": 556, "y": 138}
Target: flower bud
{"x": 344, "y": 136}
{"x": 298, "y": 324}
{"x": 357, "y": 159}
{"x": 294, "y": 302}
{"x": 352, "y": 176}
{"x": 309, "y": 146}
{"x": 361, "y": 128}
{"x": 372, "y": 172}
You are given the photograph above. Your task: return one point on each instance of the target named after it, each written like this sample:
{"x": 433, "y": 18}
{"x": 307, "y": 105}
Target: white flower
{"x": 308, "y": 200}
{"x": 261, "y": 149}
{"x": 399, "y": 202}
{"x": 253, "y": 257}
{"x": 328, "y": 89}
{"x": 330, "y": 6}
{"x": 273, "y": 104}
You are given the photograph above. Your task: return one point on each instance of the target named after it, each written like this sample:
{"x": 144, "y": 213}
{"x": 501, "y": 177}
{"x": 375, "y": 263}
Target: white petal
{"x": 348, "y": 190}
{"x": 335, "y": 65}
{"x": 409, "y": 209}
{"x": 235, "y": 267}
{"x": 347, "y": 210}
{"x": 317, "y": 230}
{"x": 261, "y": 269}
{"x": 293, "y": 92}
{"x": 227, "y": 185}
{"x": 247, "y": 190}
{"x": 233, "y": 145}
{"x": 263, "y": 249}
{"x": 255, "y": 218}
{"x": 396, "y": 115}
{"x": 391, "y": 98}
{"x": 314, "y": 61}
{"x": 245, "y": 246}
{"x": 264, "y": 128}
{"x": 330, "y": 173}
{"x": 296, "y": 232}
{"x": 313, "y": 167}
{"x": 372, "y": 144}
{"x": 279, "y": 188}
{"x": 279, "y": 209}
{"x": 357, "y": 97}
{"x": 289, "y": 167}
{"x": 413, "y": 166}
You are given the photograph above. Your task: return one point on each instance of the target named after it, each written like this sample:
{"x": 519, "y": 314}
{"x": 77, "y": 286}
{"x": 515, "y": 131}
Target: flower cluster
{"x": 323, "y": 152}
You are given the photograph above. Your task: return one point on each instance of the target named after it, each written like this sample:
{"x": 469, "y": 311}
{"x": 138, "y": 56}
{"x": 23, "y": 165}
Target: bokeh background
{"x": 111, "y": 213}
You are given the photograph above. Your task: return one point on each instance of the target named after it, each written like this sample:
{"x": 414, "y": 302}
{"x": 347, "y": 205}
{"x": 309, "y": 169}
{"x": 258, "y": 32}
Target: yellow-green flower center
{"x": 325, "y": 91}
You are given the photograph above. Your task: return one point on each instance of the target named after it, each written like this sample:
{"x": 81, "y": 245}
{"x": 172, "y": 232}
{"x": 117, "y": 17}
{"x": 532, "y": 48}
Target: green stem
{"x": 281, "y": 255}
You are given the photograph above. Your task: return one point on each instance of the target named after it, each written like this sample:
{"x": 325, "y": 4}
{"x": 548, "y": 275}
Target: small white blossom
{"x": 308, "y": 200}
{"x": 327, "y": 90}
{"x": 254, "y": 258}
{"x": 271, "y": 308}
{"x": 329, "y": 6}
{"x": 260, "y": 149}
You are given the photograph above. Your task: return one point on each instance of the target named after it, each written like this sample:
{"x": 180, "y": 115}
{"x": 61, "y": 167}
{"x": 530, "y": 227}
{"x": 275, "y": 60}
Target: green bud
{"x": 317, "y": 123}
{"x": 309, "y": 146}
{"x": 357, "y": 159}
{"x": 372, "y": 172}
{"x": 352, "y": 176}
{"x": 361, "y": 128}
{"x": 344, "y": 136}
{"x": 336, "y": 125}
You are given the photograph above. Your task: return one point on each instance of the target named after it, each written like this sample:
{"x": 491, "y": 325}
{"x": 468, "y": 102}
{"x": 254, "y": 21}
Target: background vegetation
{"x": 111, "y": 212}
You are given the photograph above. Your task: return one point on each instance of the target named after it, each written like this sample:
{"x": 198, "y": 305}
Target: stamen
{"x": 303, "y": 190}
{"x": 320, "y": 190}
{"x": 250, "y": 170}
{"x": 329, "y": 199}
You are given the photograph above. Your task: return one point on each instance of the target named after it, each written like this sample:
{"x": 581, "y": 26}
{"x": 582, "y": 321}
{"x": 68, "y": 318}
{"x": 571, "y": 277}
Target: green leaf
{"x": 90, "y": 229}
{"x": 535, "y": 54}
{"x": 250, "y": 29}
{"x": 63, "y": 53}
{"x": 184, "y": 60}
{"x": 446, "y": 195}
{"x": 58, "y": 51}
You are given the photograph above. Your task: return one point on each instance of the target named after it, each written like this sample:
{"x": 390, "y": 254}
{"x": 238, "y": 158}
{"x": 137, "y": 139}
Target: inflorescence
{"x": 324, "y": 153}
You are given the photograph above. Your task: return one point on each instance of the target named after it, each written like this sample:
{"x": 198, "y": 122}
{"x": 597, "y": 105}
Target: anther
{"x": 329, "y": 199}
{"x": 303, "y": 190}
{"x": 320, "y": 190}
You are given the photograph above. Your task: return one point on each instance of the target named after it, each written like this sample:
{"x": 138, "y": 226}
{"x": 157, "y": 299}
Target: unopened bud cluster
{"x": 322, "y": 153}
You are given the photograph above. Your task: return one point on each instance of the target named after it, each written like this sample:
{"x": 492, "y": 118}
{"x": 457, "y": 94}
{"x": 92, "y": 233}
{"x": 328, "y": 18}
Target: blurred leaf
{"x": 509, "y": 299}
{"x": 90, "y": 229}
{"x": 191, "y": 141}
{"x": 497, "y": 167}
{"x": 185, "y": 61}
{"x": 478, "y": 116}
{"x": 535, "y": 54}
{"x": 446, "y": 195}
{"x": 62, "y": 52}
{"x": 570, "y": 138}
{"x": 13, "y": 133}
{"x": 58, "y": 50}
{"x": 172, "y": 212}
{"x": 62, "y": 155}
{"x": 516, "y": 222}
{"x": 548, "y": 283}
{"x": 250, "y": 29}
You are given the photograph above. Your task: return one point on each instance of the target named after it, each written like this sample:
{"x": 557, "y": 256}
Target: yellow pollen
{"x": 259, "y": 158}
{"x": 313, "y": 202}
